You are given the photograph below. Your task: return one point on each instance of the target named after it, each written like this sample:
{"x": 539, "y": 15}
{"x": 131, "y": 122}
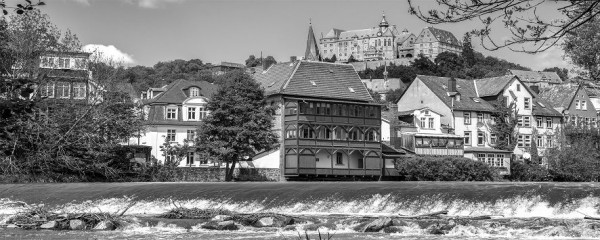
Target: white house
{"x": 172, "y": 113}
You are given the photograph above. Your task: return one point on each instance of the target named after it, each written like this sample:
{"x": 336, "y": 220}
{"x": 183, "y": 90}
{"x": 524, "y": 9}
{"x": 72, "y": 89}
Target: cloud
{"x": 553, "y": 57}
{"x": 82, "y": 2}
{"x": 152, "y": 3}
{"x": 108, "y": 53}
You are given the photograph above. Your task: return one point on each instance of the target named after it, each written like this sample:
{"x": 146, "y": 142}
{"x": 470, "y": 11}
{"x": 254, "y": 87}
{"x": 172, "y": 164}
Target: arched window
{"x": 325, "y": 133}
{"x": 355, "y": 135}
{"x": 194, "y": 92}
{"x": 307, "y": 132}
{"x": 339, "y": 133}
{"x": 371, "y": 136}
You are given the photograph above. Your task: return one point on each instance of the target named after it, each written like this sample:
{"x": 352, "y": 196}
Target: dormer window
{"x": 194, "y": 92}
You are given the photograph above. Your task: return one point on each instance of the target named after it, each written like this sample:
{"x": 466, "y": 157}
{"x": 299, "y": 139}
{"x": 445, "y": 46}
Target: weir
{"x": 339, "y": 203}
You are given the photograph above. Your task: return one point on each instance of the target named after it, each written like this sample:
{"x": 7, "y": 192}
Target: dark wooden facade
{"x": 322, "y": 137}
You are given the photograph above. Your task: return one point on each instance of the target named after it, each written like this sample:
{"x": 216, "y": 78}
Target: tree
{"x": 504, "y": 125}
{"x": 449, "y": 64}
{"x": 530, "y": 32}
{"x": 424, "y": 65}
{"x": 240, "y": 122}
{"x": 269, "y": 60}
{"x": 393, "y": 96}
{"x": 467, "y": 51}
{"x": 332, "y": 59}
{"x": 563, "y": 73}
{"x": 582, "y": 47}
{"x": 21, "y": 8}
{"x": 351, "y": 59}
{"x": 252, "y": 61}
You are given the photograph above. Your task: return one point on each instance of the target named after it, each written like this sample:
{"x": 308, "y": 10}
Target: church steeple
{"x": 383, "y": 23}
{"x": 312, "y": 48}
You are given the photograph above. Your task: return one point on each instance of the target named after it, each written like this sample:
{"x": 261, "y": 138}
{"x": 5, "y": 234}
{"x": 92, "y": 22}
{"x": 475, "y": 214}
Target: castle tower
{"x": 312, "y": 49}
{"x": 383, "y": 25}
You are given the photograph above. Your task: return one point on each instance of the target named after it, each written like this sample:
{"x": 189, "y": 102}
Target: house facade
{"x": 573, "y": 101}
{"x": 327, "y": 125}
{"x": 537, "y": 120}
{"x": 67, "y": 78}
{"x": 172, "y": 115}
{"x": 433, "y": 41}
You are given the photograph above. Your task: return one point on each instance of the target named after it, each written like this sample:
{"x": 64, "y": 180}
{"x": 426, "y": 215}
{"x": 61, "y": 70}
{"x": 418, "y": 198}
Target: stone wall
{"x": 194, "y": 174}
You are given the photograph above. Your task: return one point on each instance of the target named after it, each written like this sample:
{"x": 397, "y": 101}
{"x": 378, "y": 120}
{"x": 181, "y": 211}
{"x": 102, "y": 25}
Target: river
{"x": 566, "y": 202}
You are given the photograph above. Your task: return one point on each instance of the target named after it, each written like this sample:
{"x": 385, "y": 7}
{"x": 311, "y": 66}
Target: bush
{"x": 520, "y": 171}
{"x": 444, "y": 169}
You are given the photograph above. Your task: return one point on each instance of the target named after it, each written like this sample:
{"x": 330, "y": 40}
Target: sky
{"x": 144, "y": 32}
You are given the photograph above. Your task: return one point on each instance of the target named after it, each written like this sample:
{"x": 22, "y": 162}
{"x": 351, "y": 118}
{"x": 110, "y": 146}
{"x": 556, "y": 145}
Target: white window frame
{"x": 171, "y": 135}
{"x": 168, "y": 113}
{"x": 191, "y": 135}
{"x": 539, "y": 122}
{"x": 194, "y": 92}
{"x": 527, "y": 103}
{"x": 467, "y": 118}
{"x": 577, "y": 104}
{"x": 79, "y": 90}
{"x": 202, "y": 112}
{"x": 467, "y": 138}
{"x": 422, "y": 122}
{"x": 549, "y": 122}
{"x": 539, "y": 141}
{"x": 47, "y": 90}
{"x": 191, "y": 113}
{"x": 527, "y": 121}
{"x": 61, "y": 87}
{"x": 480, "y": 138}
{"x": 583, "y": 105}
{"x": 430, "y": 123}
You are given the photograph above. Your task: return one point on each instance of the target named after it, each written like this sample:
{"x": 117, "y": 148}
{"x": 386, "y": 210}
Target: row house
{"x": 468, "y": 108}
{"x": 573, "y": 102}
{"x": 172, "y": 114}
{"x": 537, "y": 119}
{"x": 460, "y": 108}
{"x": 326, "y": 119}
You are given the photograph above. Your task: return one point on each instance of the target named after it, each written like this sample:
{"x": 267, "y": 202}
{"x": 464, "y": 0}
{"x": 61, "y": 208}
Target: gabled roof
{"x": 314, "y": 79}
{"x": 469, "y": 101}
{"x": 492, "y": 86}
{"x": 560, "y": 95}
{"x": 402, "y": 37}
{"x": 443, "y": 35}
{"x": 544, "y": 108}
{"x": 333, "y": 33}
{"x": 175, "y": 94}
{"x": 379, "y": 85}
{"x": 536, "y": 76}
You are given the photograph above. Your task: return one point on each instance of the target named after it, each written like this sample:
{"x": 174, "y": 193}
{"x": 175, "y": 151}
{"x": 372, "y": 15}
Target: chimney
{"x": 293, "y": 58}
{"x": 452, "y": 85}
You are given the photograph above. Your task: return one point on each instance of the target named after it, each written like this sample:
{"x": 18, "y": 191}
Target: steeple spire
{"x": 383, "y": 22}
{"x": 312, "y": 48}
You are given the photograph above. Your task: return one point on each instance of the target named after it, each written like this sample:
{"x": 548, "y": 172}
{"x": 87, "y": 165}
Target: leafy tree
{"x": 174, "y": 152}
{"x": 563, "y": 73}
{"x": 269, "y": 60}
{"x": 252, "y": 61}
{"x": 6, "y": 54}
{"x": 504, "y": 125}
{"x": 424, "y": 65}
{"x": 393, "y": 96}
{"x": 240, "y": 122}
{"x": 332, "y": 59}
{"x": 467, "y": 51}
{"x": 576, "y": 158}
{"x": 533, "y": 150}
{"x": 449, "y": 64}
{"x": 351, "y": 59}
{"x": 582, "y": 47}
{"x": 530, "y": 32}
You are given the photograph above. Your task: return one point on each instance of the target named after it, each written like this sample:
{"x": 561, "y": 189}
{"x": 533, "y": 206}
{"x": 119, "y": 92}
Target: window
{"x": 171, "y": 112}
{"x": 306, "y": 132}
{"x": 549, "y": 141}
{"x": 481, "y": 157}
{"x": 324, "y": 133}
{"x": 339, "y": 134}
{"x": 549, "y": 122}
{"x": 583, "y": 105}
{"x": 577, "y": 104}
{"x": 480, "y": 138}
{"x": 479, "y": 117}
{"x": 431, "y": 123}
{"x": 63, "y": 89}
{"x": 527, "y": 103}
{"x": 291, "y": 133}
{"x": 194, "y": 92}
{"x": 540, "y": 122}
{"x": 467, "y": 138}
{"x": 526, "y": 121}
{"x": 339, "y": 158}
{"x": 64, "y": 63}
{"x": 518, "y": 87}
{"x": 467, "y": 117}
{"x": 203, "y": 112}
{"x": 191, "y": 134}
{"x": 527, "y": 140}
{"x": 520, "y": 121}
{"x": 371, "y": 136}
{"x": 191, "y": 113}
{"x": 493, "y": 138}
{"x": 190, "y": 158}
{"x": 47, "y": 90}
{"x": 171, "y": 135}
{"x": 354, "y": 135}
{"x": 490, "y": 159}
{"x": 422, "y": 122}
{"x": 79, "y": 90}
{"x": 499, "y": 160}
{"x": 539, "y": 141}
{"x": 520, "y": 141}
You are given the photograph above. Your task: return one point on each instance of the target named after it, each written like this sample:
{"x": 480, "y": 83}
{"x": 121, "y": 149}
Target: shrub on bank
{"x": 523, "y": 172}
{"x": 444, "y": 169}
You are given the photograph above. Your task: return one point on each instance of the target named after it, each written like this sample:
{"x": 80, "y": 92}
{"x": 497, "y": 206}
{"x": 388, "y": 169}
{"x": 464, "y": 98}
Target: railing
{"x": 332, "y": 171}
